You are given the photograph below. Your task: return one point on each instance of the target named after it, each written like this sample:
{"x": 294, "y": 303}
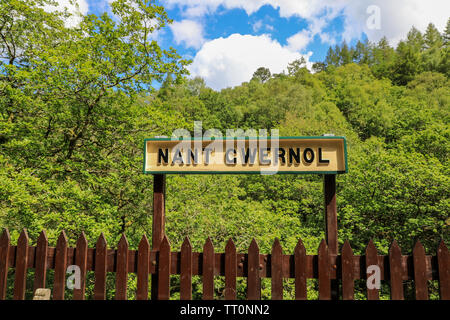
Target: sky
{"x": 227, "y": 40}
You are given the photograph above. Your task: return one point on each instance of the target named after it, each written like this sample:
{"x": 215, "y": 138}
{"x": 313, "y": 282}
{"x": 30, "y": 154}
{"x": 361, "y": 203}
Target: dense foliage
{"x": 76, "y": 104}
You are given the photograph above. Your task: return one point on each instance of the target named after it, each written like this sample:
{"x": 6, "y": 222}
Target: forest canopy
{"x": 77, "y": 103}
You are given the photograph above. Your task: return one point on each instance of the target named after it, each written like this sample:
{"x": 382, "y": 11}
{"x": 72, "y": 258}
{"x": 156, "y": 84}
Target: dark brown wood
{"x": 420, "y": 271}
{"x": 253, "y": 277}
{"x": 122, "y": 268}
{"x": 300, "y": 271}
{"x": 331, "y": 230}
{"x": 371, "y": 259}
{"x": 164, "y": 270}
{"x": 60, "y": 267}
{"x": 443, "y": 258}
{"x": 158, "y": 222}
{"x": 21, "y": 266}
{"x": 208, "y": 270}
{"x": 159, "y": 189}
{"x": 396, "y": 272}
{"x": 230, "y": 270}
{"x": 276, "y": 266}
{"x": 186, "y": 270}
{"x": 101, "y": 255}
{"x": 81, "y": 261}
{"x": 5, "y": 242}
{"x": 143, "y": 269}
{"x": 348, "y": 285}
{"x": 41, "y": 261}
{"x": 324, "y": 272}
{"x": 231, "y": 265}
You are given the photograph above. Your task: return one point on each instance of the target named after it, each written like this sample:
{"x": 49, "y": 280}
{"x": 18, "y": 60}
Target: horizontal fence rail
{"x": 395, "y": 268}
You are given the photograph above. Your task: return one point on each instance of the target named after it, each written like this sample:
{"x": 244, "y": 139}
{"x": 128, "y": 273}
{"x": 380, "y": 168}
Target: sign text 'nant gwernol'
{"x": 282, "y": 155}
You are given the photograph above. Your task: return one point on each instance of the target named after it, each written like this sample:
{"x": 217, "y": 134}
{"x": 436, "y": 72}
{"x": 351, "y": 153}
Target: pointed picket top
{"x": 5, "y": 238}
{"x": 208, "y": 244}
{"x": 101, "y": 242}
{"x": 442, "y": 247}
{"x": 276, "y": 247}
{"x": 82, "y": 240}
{"x": 323, "y": 247}
{"x": 347, "y": 248}
{"x": 123, "y": 242}
{"x": 395, "y": 249}
{"x": 186, "y": 244}
{"x": 42, "y": 238}
{"x": 23, "y": 238}
{"x": 371, "y": 249}
{"x": 164, "y": 243}
{"x": 443, "y": 258}
{"x": 418, "y": 248}
{"x": 62, "y": 240}
{"x": 230, "y": 245}
{"x": 253, "y": 245}
{"x": 144, "y": 244}
{"x": 300, "y": 248}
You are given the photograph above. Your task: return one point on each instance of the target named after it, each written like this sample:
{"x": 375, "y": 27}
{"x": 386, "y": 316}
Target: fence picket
{"x": 5, "y": 242}
{"x": 396, "y": 271}
{"x": 60, "y": 267}
{"x": 277, "y": 270}
{"x": 208, "y": 270}
{"x": 41, "y": 261}
{"x": 371, "y": 259}
{"x": 143, "y": 269}
{"x": 208, "y": 264}
{"x": 443, "y": 257}
{"x": 420, "y": 272}
{"x": 348, "y": 284}
{"x": 230, "y": 271}
{"x": 164, "y": 270}
{"x": 186, "y": 270}
{"x": 300, "y": 271}
{"x": 324, "y": 272}
{"x": 21, "y": 266}
{"x": 101, "y": 250}
{"x": 253, "y": 278}
{"x": 122, "y": 268}
{"x": 81, "y": 261}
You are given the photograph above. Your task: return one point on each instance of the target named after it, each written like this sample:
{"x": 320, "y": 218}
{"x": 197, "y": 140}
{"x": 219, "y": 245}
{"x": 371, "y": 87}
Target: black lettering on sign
{"x": 177, "y": 157}
{"x": 263, "y": 154}
{"x": 194, "y": 157}
{"x": 281, "y": 154}
{"x": 320, "y": 157}
{"x": 305, "y": 155}
{"x": 294, "y": 155}
{"x": 228, "y": 160}
{"x": 163, "y": 156}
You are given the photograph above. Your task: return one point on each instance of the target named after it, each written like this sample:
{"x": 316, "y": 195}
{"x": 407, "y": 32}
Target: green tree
{"x": 295, "y": 66}
{"x": 432, "y": 37}
{"x": 262, "y": 74}
{"x": 68, "y": 118}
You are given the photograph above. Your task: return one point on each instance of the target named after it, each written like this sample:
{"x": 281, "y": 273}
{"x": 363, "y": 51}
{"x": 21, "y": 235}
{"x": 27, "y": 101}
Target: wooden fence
{"x": 347, "y": 267}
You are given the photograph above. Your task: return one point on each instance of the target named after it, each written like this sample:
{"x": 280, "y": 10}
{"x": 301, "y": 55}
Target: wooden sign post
{"x": 325, "y": 155}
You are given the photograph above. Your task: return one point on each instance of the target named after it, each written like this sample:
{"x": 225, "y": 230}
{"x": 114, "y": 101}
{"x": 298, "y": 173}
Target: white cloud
{"x": 188, "y": 32}
{"x": 80, "y": 7}
{"x": 226, "y": 62}
{"x": 259, "y": 25}
{"x": 397, "y": 16}
{"x": 300, "y": 40}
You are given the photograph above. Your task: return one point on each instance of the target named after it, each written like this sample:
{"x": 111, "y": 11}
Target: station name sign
{"x": 280, "y": 155}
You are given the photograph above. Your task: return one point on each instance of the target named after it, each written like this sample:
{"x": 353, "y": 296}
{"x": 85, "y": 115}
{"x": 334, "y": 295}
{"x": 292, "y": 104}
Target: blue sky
{"x": 229, "y": 39}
